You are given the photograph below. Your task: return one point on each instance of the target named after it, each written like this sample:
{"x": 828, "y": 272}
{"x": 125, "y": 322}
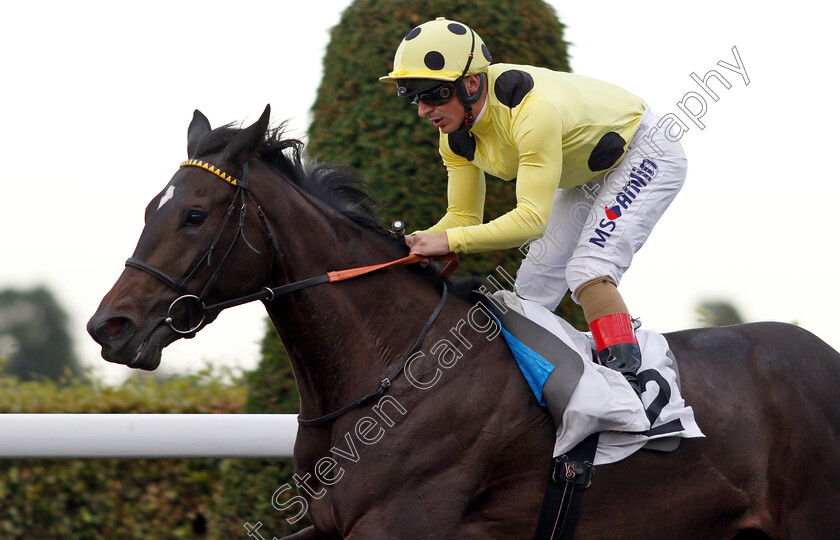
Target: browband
{"x": 215, "y": 170}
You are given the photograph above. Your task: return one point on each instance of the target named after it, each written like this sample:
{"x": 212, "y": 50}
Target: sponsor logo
{"x": 572, "y": 470}
{"x": 640, "y": 177}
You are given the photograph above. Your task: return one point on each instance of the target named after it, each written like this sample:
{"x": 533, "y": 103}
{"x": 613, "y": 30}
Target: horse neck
{"x": 343, "y": 337}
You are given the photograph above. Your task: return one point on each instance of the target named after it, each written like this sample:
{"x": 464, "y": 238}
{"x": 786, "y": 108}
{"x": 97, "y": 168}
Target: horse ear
{"x": 247, "y": 142}
{"x": 199, "y": 126}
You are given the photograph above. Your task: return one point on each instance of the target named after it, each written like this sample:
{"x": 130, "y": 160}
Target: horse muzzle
{"x": 123, "y": 343}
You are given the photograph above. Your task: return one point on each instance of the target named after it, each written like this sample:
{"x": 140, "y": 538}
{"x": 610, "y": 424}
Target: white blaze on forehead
{"x": 170, "y": 192}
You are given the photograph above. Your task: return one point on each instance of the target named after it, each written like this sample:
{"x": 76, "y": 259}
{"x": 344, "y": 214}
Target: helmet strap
{"x": 468, "y": 100}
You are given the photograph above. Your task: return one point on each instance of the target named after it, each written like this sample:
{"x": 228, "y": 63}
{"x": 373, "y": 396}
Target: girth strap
{"x": 571, "y": 474}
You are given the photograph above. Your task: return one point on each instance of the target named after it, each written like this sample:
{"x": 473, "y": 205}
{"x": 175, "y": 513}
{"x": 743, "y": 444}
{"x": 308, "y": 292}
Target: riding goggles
{"x": 430, "y": 92}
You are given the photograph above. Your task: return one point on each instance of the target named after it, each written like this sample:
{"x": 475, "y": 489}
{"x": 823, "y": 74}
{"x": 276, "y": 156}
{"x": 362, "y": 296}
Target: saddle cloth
{"x": 585, "y": 397}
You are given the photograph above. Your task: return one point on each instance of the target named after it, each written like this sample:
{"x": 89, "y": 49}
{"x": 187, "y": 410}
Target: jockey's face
{"x": 449, "y": 116}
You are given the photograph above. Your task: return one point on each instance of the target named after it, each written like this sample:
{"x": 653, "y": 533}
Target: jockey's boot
{"x": 616, "y": 346}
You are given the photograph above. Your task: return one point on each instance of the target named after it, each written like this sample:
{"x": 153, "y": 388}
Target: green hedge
{"x": 154, "y": 498}
{"x": 124, "y": 499}
{"x": 247, "y": 485}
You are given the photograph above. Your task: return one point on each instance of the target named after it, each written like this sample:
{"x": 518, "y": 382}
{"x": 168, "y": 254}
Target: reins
{"x": 269, "y": 294}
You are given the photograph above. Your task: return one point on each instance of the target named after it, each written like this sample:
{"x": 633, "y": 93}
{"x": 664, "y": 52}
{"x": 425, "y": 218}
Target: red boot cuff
{"x": 612, "y": 329}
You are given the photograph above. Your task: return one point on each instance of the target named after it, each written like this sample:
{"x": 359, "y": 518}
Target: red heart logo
{"x": 614, "y": 212}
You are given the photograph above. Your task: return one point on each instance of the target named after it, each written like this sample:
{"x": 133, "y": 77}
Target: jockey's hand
{"x": 428, "y": 245}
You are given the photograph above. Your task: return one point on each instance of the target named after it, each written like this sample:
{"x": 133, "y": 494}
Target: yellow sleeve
{"x": 537, "y": 132}
{"x": 465, "y": 194}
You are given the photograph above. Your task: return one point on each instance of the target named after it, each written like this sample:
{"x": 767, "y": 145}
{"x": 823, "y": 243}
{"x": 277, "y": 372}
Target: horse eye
{"x": 195, "y": 218}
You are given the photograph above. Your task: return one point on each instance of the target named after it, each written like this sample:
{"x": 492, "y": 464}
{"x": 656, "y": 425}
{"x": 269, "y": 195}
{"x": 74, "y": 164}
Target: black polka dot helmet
{"x": 440, "y": 50}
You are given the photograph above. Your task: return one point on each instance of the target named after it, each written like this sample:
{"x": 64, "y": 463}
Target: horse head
{"x": 195, "y": 249}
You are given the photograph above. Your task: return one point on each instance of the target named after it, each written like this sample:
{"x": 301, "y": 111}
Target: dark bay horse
{"x": 456, "y": 446}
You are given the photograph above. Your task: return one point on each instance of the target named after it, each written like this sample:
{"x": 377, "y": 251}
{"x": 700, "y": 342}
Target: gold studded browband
{"x": 213, "y": 169}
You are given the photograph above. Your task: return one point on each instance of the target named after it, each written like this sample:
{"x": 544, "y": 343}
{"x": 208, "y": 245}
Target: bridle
{"x": 240, "y": 198}
{"x": 267, "y": 294}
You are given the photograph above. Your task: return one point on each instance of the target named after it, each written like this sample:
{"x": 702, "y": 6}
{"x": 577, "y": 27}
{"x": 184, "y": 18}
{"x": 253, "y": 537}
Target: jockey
{"x": 593, "y": 173}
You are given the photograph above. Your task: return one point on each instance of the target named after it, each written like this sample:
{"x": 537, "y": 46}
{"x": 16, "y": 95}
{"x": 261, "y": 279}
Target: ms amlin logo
{"x": 640, "y": 177}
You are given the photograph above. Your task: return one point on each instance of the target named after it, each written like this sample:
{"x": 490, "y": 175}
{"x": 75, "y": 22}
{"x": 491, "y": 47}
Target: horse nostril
{"x": 112, "y": 330}
{"x": 114, "y": 326}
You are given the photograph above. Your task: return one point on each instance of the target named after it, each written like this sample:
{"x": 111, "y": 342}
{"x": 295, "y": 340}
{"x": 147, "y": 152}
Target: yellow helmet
{"x": 441, "y": 50}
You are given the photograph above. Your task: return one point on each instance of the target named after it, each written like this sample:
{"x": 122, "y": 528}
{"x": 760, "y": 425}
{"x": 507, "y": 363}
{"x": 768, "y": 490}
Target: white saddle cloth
{"x": 604, "y": 402}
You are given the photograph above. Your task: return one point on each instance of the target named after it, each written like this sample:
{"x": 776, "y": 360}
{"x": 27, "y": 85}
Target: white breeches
{"x": 595, "y": 229}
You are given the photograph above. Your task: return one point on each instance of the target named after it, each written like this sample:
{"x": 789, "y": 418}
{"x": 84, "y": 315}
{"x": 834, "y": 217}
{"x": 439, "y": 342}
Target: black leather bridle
{"x": 267, "y": 294}
{"x": 241, "y": 199}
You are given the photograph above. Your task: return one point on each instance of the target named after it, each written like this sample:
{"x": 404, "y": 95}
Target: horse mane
{"x": 339, "y": 186}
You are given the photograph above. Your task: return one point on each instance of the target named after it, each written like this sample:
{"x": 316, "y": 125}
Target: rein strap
{"x": 332, "y": 277}
{"x": 448, "y": 270}
{"x": 269, "y": 295}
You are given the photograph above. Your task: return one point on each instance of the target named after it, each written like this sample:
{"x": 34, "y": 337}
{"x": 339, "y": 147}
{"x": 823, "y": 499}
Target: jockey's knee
{"x": 583, "y": 270}
{"x": 599, "y": 297}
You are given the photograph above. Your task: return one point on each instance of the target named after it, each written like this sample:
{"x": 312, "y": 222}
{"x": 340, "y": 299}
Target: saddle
{"x": 598, "y": 416}
{"x": 583, "y": 397}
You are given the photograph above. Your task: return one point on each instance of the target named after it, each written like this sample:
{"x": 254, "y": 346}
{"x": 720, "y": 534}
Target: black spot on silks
{"x": 462, "y": 144}
{"x": 607, "y": 152}
{"x": 413, "y": 34}
{"x": 457, "y": 29}
{"x": 486, "y": 52}
{"x": 434, "y": 60}
{"x": 512, "y": 86}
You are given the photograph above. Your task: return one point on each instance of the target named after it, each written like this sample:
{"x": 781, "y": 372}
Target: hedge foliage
{"x": 112, "y": 498}
{"x": 247, "y": 485}
{"x": 38, "y": 326}
{"x": 154, "y": 498}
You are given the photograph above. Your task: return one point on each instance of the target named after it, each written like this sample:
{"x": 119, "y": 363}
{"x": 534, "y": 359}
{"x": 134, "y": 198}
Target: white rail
{"x": 136, "y": 436}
